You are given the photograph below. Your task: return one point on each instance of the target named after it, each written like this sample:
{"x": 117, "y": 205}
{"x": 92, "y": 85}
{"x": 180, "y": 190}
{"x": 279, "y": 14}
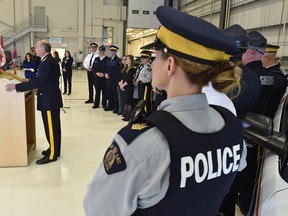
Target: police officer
{"x": 252, "y": 59}
{"x": 246, "y": 101}
{"x": 280, "y": 80}
{"x": 191, "y": 157}
{"x": 49, "y": 99}
{"x": 88, "y": 61}
{"x": 111, "y": 75}
{"x": 99, "y": 69}
{"x": 143, "y": 78}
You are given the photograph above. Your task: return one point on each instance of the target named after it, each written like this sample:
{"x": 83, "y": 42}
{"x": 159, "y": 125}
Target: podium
{"x": 17, "y": 123}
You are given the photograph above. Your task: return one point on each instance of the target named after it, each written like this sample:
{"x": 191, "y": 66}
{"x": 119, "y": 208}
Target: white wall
{"x": 265, "y": 16}
{"x": 142, "y": 20}
{"x": 76, "y": 22}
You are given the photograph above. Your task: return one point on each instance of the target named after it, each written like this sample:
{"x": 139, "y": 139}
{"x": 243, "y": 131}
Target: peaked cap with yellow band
{"x": 146, "y": 54}
{"x": 271, "y": 48}
{"x": 114, "y": 48}
{"x": 191, "y": 38}
{"x": 93, "y": 45}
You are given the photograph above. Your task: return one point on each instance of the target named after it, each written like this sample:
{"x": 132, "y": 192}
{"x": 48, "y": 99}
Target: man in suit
{"x": 49, "y": 99}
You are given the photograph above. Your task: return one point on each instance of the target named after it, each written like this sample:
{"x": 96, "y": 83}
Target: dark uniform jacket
{"x": 113, "y": 67}
{"x": 99, "y": 66}
{"x": 250, "y": 91}
{"x": 280, "y": 85}
{"x": 266, "y": 80}
{"x": 47, "y": 82}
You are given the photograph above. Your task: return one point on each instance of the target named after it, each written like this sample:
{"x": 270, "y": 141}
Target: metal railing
{"x": 23, "y": 27}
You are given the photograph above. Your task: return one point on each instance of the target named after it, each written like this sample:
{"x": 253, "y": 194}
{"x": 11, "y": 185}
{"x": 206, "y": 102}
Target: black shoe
{"x": 45, "y": 160}
{"x": 88, "y": 101}
{"x": 69, "y": 93}
{"x": 95, "y": 107}
{"x": 45, "y": 153}
{"x": 64, "y": 93}
{"x": 119, "y": 113}
{"x": 125, "y": 119}
{"x": 115, "y": 111}
{"x": 108, "y": 109}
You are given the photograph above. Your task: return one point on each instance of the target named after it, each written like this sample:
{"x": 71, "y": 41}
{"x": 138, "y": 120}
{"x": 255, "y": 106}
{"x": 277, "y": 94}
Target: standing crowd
{"x": 116, "y": 81}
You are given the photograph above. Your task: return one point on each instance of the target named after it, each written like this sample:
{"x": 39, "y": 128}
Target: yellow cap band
{"x": 271, "y": 50}
{"x": 145, "y": 55}
{"x": 183, "y": 45}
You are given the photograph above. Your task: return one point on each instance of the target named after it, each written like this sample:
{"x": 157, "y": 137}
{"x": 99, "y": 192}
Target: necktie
{"x": 90, "y": 63}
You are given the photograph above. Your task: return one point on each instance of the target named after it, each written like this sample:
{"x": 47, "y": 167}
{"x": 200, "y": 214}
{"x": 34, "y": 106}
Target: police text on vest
{"x": 190, "y": 166}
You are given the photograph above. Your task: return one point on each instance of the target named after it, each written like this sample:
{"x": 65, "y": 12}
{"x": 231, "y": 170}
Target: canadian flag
{"x": 2, "y": 53}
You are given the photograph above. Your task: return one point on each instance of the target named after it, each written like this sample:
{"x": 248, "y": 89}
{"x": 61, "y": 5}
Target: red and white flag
{"x": 2, "y": 53}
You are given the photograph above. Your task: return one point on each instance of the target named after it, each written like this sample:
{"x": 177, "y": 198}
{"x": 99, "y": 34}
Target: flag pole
{"x": 2, "y": 53}
{"x": 15, "y": 57}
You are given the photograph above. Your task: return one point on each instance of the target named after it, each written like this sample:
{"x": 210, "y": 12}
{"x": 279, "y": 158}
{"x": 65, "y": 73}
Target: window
{"x": 135, "y": 11}
{"x": 146, "y": 12}
{"x": 107, "y": 36}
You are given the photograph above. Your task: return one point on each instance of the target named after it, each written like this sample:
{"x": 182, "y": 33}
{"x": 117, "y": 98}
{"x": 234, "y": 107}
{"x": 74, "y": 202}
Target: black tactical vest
{"x": 203, "y": 166}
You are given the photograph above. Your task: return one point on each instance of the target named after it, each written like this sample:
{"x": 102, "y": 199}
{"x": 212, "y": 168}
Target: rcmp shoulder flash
{"x": 113, "y": 159}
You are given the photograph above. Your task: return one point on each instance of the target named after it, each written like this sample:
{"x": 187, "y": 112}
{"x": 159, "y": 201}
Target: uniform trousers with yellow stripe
{"x": 145, "y": 93}
{"x": 51, "y": 120}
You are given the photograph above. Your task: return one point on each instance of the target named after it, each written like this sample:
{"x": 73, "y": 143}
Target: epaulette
{"x": 131, "y": 131}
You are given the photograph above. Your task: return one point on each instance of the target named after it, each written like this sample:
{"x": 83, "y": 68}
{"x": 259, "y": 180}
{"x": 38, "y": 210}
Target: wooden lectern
{"x": 17, "y": 123}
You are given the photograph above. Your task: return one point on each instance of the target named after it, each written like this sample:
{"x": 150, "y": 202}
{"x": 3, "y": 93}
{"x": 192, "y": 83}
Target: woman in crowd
{"x": 56, "y": 56}
{"x": 29, "y": 66}
{"x": 119, "y": 77}
{"x": 126, "y": 86}
{"x": 67, "y": 72}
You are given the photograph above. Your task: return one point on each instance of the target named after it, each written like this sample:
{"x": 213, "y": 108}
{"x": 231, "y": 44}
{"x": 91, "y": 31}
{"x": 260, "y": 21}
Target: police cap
{"x": 102, "y": 48}
{"x": 114, "y": 48}
{"x": 146, "y": 54}
{"x": 191, "y": 38}
{"x": 256, "y": 40}
{"x": 271, "y": 48}
{"x": 239, "y": 35}
{"x": 93, "y": 45}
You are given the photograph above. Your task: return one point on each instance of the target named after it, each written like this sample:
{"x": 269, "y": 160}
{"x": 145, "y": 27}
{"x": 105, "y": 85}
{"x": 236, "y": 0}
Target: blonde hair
{"x": 224, "y": 75}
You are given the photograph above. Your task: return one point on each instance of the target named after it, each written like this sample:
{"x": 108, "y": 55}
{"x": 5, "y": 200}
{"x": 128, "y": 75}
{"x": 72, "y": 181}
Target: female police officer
{"x": 184, "y": 165}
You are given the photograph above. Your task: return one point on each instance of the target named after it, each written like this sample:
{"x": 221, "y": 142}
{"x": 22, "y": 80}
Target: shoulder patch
{"x": 149, "y": 69}
{"x": 113, "y": 159}
{"x": 130, "y": 132}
